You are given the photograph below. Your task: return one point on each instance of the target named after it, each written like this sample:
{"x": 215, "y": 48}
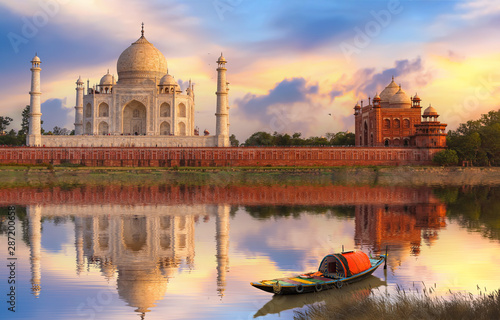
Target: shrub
{"x": 446, "y": 158}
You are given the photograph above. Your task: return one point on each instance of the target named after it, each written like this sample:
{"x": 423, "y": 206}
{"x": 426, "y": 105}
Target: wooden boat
{"x": 281, "y": 303}
{"x": 334, "y": 271}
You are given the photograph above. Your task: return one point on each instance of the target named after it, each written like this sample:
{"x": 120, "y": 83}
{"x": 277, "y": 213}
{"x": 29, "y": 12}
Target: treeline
{"x": 278, "y": 139}
{"x": 18, "y": 138}
{"x": 477, "y": 141}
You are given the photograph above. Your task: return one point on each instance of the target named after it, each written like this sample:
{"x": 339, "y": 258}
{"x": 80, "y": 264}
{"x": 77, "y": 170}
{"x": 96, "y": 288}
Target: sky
{"x": 293, "y": 66}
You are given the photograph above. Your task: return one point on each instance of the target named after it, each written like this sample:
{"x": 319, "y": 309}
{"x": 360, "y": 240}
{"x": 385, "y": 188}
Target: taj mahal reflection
{"x": 143, "y": 251}
{"x": 143, "y": 247}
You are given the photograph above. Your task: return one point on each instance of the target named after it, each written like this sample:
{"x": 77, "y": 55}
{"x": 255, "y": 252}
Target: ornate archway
{"x": 134, "y": 118}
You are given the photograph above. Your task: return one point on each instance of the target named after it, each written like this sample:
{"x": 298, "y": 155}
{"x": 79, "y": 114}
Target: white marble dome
{"x": 141, "y": 61}
{"x": 168, "y": 80}
{"x": 106, "y": 80}
{"x": 400, "y": 100}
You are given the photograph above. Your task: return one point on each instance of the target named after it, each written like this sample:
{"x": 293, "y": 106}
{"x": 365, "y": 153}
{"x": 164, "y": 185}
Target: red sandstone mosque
{"x": 393, "y": 119}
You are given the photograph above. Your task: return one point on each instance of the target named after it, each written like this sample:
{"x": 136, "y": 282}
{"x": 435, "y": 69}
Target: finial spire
{"x": 142, "y": 30}
{"x": 392, "y": 78}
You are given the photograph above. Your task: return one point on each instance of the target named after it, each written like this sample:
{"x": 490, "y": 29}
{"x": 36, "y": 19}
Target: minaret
{"x": 35, "y": 127}
{"x": 222, "y": 116}
{"x": 35, "y": 236}
{"x": 80, "y": 260}
{"x": 79, "y": 107}
{"x": 222, "y": 238}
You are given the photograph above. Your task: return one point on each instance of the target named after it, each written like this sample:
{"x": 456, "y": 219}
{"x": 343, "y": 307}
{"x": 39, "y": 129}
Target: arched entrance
{"x": 165, "y": 128}
{"x": 134, "y": 118}
{"x": 103, "y": 128}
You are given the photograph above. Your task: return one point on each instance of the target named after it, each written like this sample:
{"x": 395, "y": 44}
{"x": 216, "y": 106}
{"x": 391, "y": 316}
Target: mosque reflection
{"x": 143, "y": 251}
{"x": 144, "y": 244}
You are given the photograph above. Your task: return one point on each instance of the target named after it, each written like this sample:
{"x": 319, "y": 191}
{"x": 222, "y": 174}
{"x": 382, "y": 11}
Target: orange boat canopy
{"x": 346, "y": 264}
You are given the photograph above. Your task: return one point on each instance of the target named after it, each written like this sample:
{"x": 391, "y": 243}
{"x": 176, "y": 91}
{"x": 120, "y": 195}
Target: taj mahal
{"x": 144, "y": 107}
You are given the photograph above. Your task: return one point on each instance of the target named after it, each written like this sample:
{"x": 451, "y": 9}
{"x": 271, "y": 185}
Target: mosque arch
{"x": 397, "y": 123}
{"x": 406, "y": 123}
{"x": 134, "y": 118}
{"x": 103, "y": 110}
{"x": 387, "y": 124}
{"x": 88, "y": 128}
{"x": 181, "y": 110}
{"x": 165, "y": 128}
{"x": 365, "y": 134}
{"x": 88, "y": 110}
{"x": 103, "y": 128}
{"x": 165, "y": 110}
{"x": 182, "y": 129}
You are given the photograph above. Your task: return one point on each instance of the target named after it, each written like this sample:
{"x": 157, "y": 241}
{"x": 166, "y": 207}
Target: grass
{"x": 406, "y": 305}
{"x": 48, "y": 175}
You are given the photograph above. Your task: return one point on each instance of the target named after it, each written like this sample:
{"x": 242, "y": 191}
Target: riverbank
{"x": 37, "y": 177}
{"x": 406, "y": 305}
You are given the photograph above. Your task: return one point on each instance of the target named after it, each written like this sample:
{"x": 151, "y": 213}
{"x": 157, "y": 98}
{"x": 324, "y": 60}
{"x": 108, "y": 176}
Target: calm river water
{"x": 190, "y": 252}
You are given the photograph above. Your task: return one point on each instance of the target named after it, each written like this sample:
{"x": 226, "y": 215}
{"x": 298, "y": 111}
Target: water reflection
{"x": 142, "y": 251}
{"x": 151, "y": 243}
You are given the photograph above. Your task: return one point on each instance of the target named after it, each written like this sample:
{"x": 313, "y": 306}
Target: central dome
{"x": 141, "y": 61}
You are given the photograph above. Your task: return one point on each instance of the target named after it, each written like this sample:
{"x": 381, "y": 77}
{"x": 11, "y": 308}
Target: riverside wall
{"x": 218, "y": 157}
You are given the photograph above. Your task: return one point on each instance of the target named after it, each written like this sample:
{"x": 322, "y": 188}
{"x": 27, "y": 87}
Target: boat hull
{"x": 301, "y": 284}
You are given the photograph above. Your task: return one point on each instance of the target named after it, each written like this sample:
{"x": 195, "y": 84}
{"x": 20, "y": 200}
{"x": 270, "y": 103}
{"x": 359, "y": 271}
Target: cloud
{"x": 367, "y": 81}
{"x": 55, "y": 113}
{"x": 285, "y": 93}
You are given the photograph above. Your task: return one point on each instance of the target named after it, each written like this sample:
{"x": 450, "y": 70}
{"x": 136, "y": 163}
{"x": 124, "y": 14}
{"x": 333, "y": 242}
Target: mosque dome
{"x": 400, "y": 100}
{"x": 35, "y": 59}
{"x": 430, "y": 111}
{"x": 107, "y": 80}
{"x": 141, "y": 61}
{"x": 389, "y": 91}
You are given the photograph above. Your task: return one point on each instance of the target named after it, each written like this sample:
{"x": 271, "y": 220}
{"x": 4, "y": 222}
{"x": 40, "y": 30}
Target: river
{"x": 174, "y": 252}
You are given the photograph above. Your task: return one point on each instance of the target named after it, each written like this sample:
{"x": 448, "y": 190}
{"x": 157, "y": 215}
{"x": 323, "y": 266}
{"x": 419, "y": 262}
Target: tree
{"x": 4, "y": 123}
{"x": 260, "y": 139}
{"x": 60, "y": 131}
{"x": 446, "y": 158}
{"x": 25, "y": 121}
{"x": 232, "y": 139}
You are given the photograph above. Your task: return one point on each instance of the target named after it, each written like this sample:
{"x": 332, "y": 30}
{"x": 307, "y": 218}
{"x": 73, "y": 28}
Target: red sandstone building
{"x": 394, "y": 119}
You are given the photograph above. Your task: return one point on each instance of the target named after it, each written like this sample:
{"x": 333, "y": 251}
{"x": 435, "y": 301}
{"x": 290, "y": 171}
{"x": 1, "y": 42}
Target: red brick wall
{"x": 237, "y": 156}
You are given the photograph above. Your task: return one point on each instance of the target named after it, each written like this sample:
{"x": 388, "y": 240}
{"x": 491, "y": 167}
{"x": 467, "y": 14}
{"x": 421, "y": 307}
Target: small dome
{"x": 35, "y": 59}
{"x": 168, "y": 80}
{"x": 106, "y": 80}
{"x": 357, "y": 106}
{"x": 430, "y": 111}
{"x": 221, "y": 58}
{"x": 377, "y": 97}
{"x": 400, "y": 100}
{"x": 416, "y": 98}
{"x": 389, "y": 91}
{"x": 79, "y": 81}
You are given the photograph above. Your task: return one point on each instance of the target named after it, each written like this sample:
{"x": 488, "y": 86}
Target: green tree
{"x": 232, "y": 139}
{"x": 260, "y": 139}
{"x": 4, "y": 123}
{"x": 446, "y": 157}
{"x": 25, "y": 121}
{"x": 60, "y": 131}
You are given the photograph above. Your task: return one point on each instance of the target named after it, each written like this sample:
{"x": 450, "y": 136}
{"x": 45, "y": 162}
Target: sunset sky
{"x": 290, "y": 63}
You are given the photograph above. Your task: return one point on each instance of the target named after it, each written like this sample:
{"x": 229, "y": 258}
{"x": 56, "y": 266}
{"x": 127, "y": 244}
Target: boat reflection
{"x": 280, "y": 303}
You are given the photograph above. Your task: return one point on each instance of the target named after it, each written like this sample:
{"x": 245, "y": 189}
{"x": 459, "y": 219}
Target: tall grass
{"x": 406, "y": 305}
